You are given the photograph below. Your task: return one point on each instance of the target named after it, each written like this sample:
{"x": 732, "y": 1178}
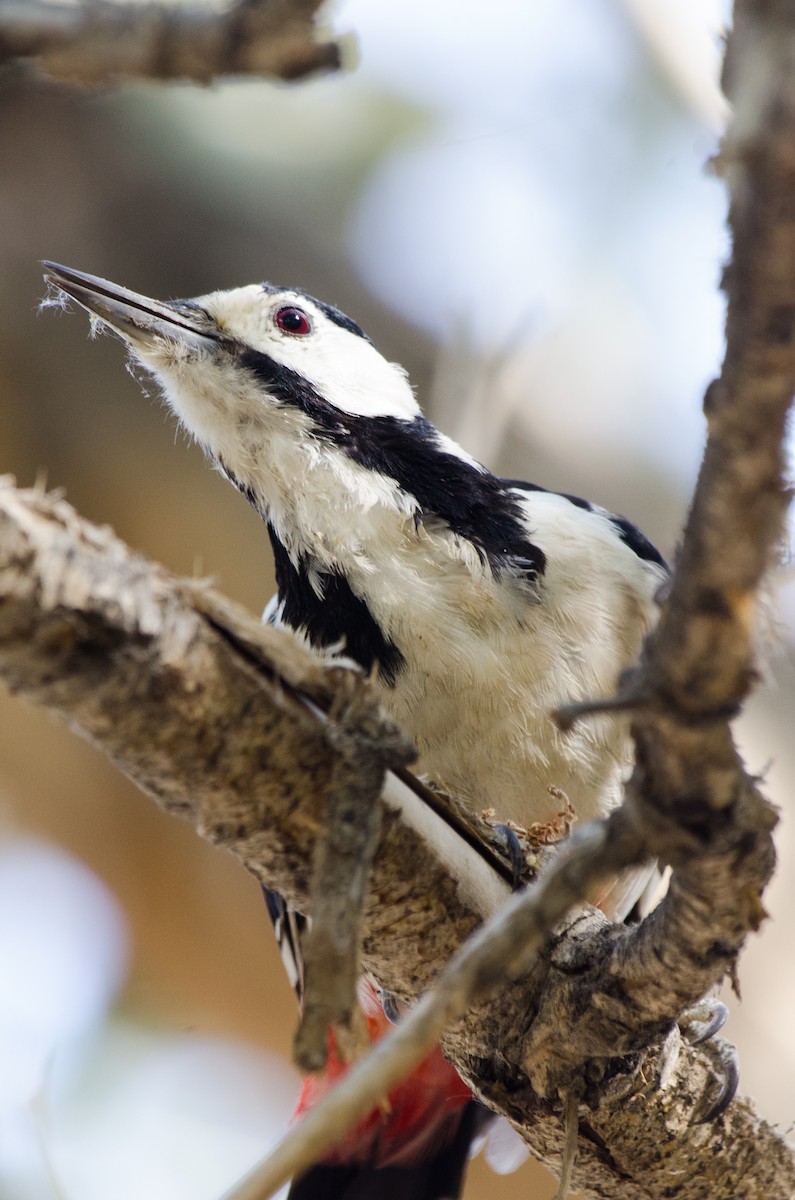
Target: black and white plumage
{"x": 481, "y": 604}
{"x": 484, "y": 603}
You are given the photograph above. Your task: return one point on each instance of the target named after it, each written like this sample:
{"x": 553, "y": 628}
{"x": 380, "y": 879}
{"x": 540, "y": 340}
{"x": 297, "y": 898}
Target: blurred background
{"x": 512, "y": 198}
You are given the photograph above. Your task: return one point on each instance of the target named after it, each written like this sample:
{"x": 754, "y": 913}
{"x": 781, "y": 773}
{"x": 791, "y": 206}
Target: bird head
{"x": 241, "y": 366}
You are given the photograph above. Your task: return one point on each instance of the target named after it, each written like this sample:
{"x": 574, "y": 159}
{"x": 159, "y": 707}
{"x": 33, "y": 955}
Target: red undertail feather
{"x": 414, "y": 1146}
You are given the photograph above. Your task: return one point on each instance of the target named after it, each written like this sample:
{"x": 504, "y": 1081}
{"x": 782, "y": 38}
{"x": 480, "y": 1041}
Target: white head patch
{"x": 344, "y": 368}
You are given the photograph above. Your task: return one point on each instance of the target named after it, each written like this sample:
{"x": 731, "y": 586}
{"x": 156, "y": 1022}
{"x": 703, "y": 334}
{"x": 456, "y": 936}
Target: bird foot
{"x": 699, "y": 1026}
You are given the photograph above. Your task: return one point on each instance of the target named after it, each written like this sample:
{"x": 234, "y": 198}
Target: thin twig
{"x": 571, "y": 1135}
{"x": 341, "y": 865}
{"x": 627, "y": 699}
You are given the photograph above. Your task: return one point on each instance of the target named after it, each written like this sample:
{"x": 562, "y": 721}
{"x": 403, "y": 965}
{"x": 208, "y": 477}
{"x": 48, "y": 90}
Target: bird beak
{"x": 138, "y": 319}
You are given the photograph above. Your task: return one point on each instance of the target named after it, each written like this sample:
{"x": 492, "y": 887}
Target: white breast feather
{"x": 486, "y": 661}
{"x": 485, "y": 667}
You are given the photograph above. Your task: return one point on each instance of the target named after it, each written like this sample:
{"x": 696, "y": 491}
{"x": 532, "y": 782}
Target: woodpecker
{"x": 479, "y": 604}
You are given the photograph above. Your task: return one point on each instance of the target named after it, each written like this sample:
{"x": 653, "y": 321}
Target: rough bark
{"x": 218, "y": 720}
{"x": 101, "y": 42}
{"x": 208, "y": 712}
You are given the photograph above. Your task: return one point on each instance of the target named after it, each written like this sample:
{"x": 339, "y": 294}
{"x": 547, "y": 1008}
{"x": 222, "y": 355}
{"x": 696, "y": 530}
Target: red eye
{"x": 294, "y": 321}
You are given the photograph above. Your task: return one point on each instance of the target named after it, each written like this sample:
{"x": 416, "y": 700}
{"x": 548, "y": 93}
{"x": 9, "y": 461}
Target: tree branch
{"x": 220, "y": 719}
{"x": 208, "y": 711}
{"x": 223, "y": 721}
{"x": 101, "y": 42}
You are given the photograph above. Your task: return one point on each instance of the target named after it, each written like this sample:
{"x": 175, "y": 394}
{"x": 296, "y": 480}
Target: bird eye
{"x": 294, "y": 321}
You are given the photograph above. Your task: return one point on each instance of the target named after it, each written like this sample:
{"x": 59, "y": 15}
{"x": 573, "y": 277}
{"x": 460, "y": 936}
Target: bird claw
{"x": 703, "y": 1021}
{"x": 726, "y": 1067}
{"x": 513, "y": 850}
{"x": 699, "y": 1025}
{"x": 391, "y": 1006}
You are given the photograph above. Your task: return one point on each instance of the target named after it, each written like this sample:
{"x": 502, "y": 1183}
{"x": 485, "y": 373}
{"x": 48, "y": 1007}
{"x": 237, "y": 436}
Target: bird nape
{"x": 480, "y": 604}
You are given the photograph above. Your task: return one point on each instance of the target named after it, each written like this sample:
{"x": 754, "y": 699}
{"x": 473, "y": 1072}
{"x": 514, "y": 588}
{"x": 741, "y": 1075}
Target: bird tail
{"x": 438, "y": 1176}
{"x": 415, "y": 1146}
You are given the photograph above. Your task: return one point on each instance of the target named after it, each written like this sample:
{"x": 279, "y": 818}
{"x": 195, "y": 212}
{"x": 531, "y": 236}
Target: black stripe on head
{"x": 333, "y": 314}
{"x": 471, "y": 501}
{"x": 335, "y": 616}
